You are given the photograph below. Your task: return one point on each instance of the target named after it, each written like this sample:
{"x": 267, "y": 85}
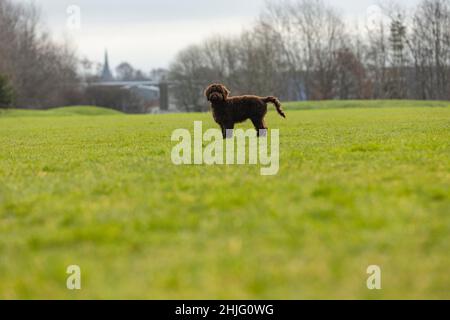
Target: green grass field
{"x": 360, "y": 183}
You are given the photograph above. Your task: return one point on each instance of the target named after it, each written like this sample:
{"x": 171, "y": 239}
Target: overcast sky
{"x": 148, "y": 33}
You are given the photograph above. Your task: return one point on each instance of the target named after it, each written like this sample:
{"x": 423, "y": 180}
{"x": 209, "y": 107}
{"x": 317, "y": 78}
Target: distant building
{"x": 106, "y": 73}
{"x": 146, "y": 92}
{"x": 136, "y": 96}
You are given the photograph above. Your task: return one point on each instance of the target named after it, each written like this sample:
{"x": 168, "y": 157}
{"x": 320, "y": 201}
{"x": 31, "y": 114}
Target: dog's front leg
{"x": 224, "y": 131}
{"x": 228, "y": 131}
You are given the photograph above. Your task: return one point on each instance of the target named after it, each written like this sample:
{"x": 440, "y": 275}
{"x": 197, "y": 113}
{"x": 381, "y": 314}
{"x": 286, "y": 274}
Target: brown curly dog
{"x": 228, "y": 111}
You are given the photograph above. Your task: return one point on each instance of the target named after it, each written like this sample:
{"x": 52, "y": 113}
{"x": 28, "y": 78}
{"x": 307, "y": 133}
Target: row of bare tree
{"x": 41, "y": 72}
{"x": 296, "y": 49}
{"x": 304, "y": 49}
{"x": 36, "y": 72}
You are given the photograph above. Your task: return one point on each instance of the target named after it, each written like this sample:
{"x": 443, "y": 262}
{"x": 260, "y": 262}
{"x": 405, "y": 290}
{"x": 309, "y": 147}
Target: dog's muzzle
{"x": 215, "y": 96}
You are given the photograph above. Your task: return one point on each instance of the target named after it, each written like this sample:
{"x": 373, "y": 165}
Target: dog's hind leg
{"x": 224, "y": 131}
{"x": 260, "y": 127}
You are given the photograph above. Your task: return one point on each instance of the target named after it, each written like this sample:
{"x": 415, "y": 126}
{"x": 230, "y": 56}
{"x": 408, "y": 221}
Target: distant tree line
{"x": 38, "y": 73}
{"x": 34, "y": 70}
{"x": 303, "y": 49}
{"x": 295, "y": 49}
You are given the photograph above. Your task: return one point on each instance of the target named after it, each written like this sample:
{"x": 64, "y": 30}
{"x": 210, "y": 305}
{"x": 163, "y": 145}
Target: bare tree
{"x": 397, "y": 88}
{"x": 352, "y": 81}
{"x": 6, "y": 93}
{"x": 302, "y": 49}
{"x": 377, "y": 62}
{"x": 41, "y": 71}
{"x": 312, "y": 33}
{"x": 190, "y": 75}
{"x": 125, "y": 71}
{"x": 430, "y": 47}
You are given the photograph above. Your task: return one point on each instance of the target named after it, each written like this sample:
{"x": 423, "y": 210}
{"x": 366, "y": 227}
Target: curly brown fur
{"x": 228, "y": 111}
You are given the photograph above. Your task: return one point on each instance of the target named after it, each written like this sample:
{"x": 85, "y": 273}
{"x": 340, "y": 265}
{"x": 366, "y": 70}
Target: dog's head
{"x": 217, "y": 93}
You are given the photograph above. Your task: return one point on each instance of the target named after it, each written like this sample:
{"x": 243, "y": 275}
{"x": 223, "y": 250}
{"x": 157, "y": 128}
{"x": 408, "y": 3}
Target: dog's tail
{"x": 277, "y": 104}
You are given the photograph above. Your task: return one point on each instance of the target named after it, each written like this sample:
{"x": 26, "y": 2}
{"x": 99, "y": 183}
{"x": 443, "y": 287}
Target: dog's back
{"x": 246, "y": 107}
{"x": 249, "y": 106}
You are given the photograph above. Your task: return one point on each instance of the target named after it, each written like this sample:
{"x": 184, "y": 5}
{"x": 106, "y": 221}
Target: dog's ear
{"x": 225, "y": 91}
{"x": 208, "y": 92}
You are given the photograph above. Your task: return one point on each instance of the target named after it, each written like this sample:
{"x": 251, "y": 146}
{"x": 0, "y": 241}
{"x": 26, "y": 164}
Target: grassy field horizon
{"x": 288, "y": 105}
{"x": 361, "y": 183}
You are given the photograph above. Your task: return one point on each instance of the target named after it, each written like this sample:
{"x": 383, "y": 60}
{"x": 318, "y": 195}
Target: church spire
{"x": 106, "y": 73}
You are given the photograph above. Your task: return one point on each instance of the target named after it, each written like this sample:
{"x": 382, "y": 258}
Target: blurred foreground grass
{"x": 356, "y": 187}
